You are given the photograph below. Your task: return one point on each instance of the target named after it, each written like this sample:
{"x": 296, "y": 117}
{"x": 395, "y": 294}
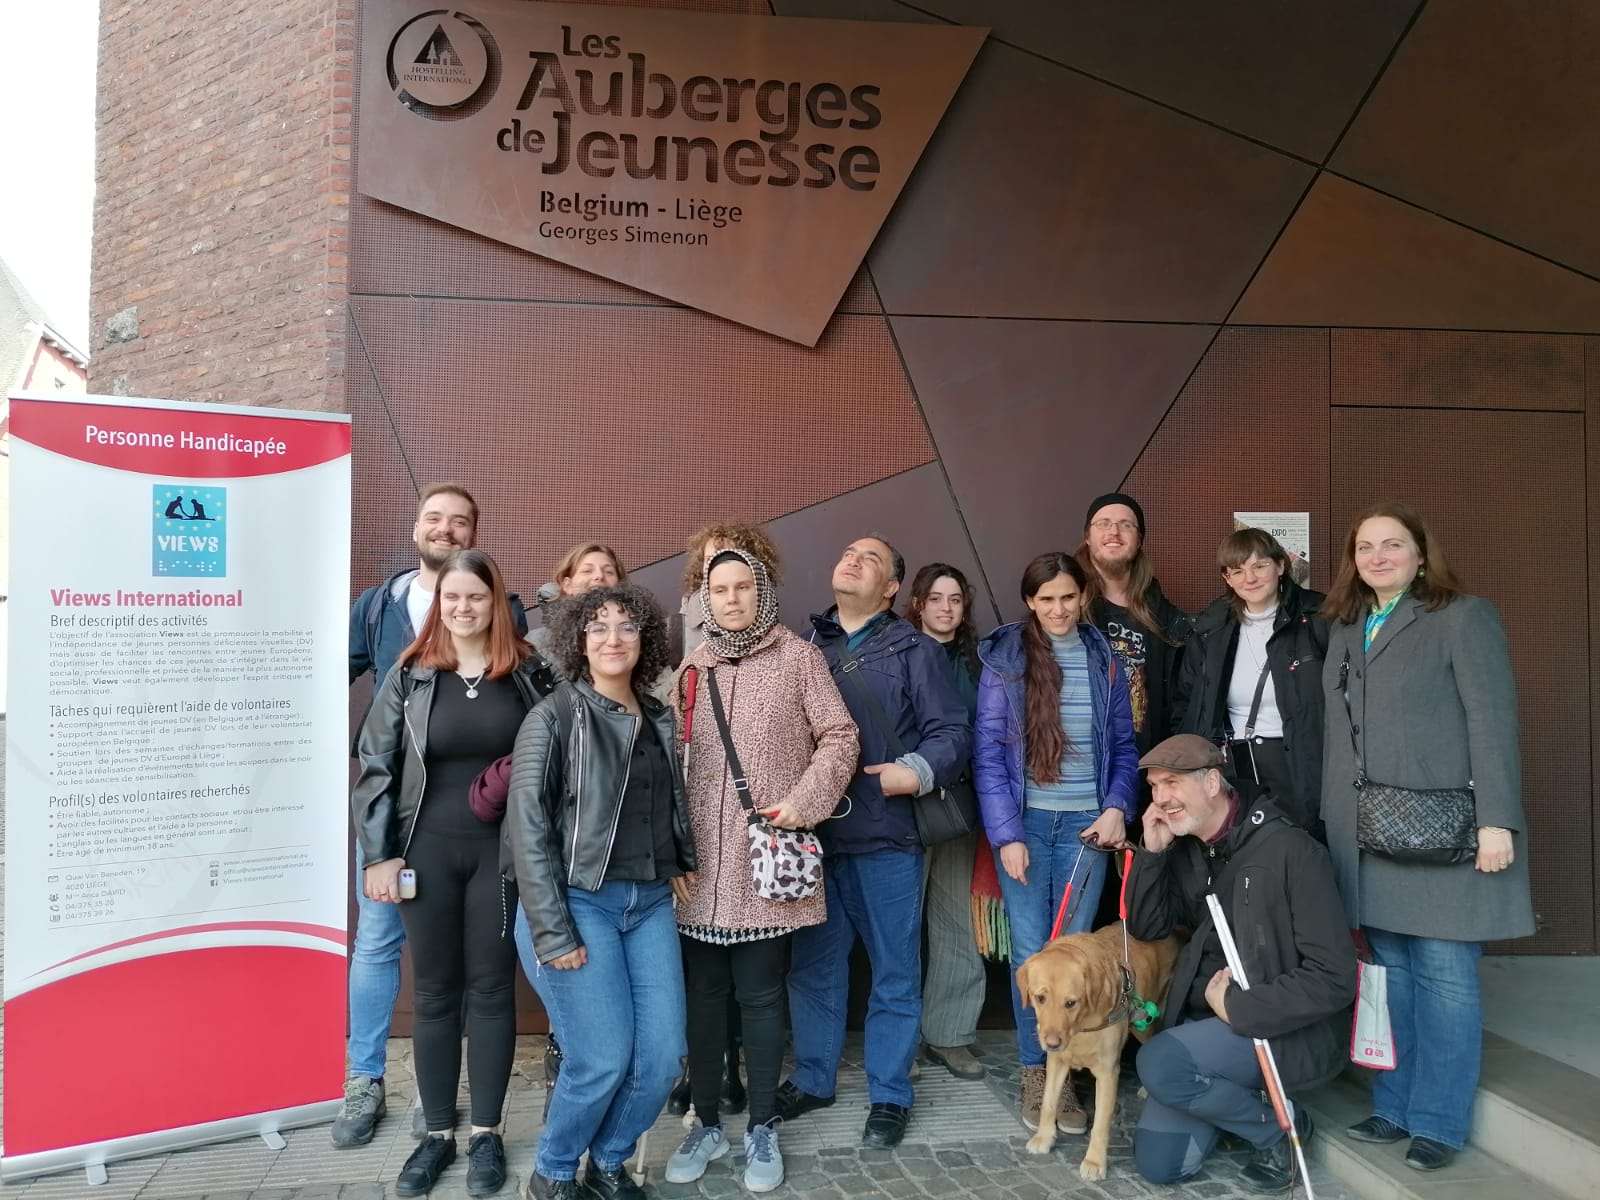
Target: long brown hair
{"x": 1141, "y": 575}
{"x": 1044, "y": 741}
{"x": 966, "y": 634}
{"x": 434, "y": 646}
{"x": 1350, "y": 599}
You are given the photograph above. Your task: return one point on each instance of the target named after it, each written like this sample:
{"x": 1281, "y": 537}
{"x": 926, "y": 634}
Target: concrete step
{"x": 1535, "y": 1135}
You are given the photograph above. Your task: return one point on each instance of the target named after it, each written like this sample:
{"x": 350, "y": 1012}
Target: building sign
{"x": 1293, "y": 531}
{"x": 176, "y": 765}
{"x": 740, "y": 165}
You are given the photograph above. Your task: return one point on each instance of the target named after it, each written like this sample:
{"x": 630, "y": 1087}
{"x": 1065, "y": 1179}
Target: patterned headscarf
{"x": 737, "y": 645}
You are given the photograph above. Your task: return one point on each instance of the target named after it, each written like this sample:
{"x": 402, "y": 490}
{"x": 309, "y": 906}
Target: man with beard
{"x": 383, "y": 621}
{"x": 1124, "y": 601}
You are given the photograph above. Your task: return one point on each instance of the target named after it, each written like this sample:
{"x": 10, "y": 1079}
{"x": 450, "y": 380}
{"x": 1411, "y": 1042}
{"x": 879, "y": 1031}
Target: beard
{"x": 1117, "y": 567}
{"x": 435, "y": 555}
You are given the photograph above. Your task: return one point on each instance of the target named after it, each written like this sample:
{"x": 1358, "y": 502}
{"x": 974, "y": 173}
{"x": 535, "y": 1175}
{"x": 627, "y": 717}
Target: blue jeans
{"x": 374, "y": 979}
{"x": 878, "y": 898}
{"x": 620, "y": 1021}
{"x": 1053, "y": 845}
{"x": 1437, "y": 1018}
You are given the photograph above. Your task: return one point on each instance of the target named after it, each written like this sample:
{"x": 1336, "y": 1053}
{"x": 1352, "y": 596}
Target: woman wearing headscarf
{"x": 1420, "y": 696}
{"x": 796, "y": 743}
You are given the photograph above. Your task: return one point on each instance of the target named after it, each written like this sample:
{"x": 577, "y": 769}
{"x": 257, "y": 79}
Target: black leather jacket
{"x": 568, "y": 771}
{"x": 393, "y": 749}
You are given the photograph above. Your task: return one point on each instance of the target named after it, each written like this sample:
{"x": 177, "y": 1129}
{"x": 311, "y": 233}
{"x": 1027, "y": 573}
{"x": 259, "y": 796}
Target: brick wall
{"x": 223, "y": 182}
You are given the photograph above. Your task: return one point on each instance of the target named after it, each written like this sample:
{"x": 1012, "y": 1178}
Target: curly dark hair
{"x": 568, "y": 617}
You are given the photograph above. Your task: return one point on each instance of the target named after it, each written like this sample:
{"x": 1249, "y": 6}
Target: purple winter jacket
{"x": 999, "y": 766}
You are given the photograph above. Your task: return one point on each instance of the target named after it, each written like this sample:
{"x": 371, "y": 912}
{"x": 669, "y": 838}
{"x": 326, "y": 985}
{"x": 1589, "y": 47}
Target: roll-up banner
{"x": 175, "y": 776}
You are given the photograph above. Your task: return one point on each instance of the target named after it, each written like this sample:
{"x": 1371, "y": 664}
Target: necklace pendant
{"x": 472, "y": 693}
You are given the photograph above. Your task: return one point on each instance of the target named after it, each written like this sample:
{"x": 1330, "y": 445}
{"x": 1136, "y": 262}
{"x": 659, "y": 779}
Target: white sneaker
{"x": 703, "y": 1145}
{"x": 763, "y": 1161}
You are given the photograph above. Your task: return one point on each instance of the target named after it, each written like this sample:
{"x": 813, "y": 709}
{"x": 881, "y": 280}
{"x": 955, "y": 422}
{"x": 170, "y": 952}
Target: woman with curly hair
{"x": 599, "y": 837}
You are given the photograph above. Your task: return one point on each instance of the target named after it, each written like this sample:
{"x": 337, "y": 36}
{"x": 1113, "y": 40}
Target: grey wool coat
{"x": 1435, "y": 706}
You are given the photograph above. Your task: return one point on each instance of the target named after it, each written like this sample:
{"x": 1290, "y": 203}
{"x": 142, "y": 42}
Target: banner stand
{"x": 176, "y": 885}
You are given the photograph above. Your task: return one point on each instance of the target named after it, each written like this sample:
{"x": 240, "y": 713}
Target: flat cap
{"x": 1183, "y": 752}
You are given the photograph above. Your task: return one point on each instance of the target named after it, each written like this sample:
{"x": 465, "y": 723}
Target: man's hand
{"x": 683, "y": 886}
{"x": 1158, "y": 834}
{"x": 1217, "y": 991}
{"x": 894, "y": 779}
{"x": 572, "y": 961}
{"x": 1014, "y": 858}
{"x": 381, "y": 881}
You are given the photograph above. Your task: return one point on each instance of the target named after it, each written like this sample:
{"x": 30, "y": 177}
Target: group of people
{"x": 681, "y": 855}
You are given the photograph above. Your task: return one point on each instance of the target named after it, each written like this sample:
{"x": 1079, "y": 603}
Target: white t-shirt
{"x": 418, "y": 600}
{"x": 1248, "y": 661}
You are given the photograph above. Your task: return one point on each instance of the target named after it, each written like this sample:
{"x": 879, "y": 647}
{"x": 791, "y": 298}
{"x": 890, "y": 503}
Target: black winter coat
{"x": 1295, "y": 652}
{"x": 1276, "y": 886}
{"x": 568, "y": 772}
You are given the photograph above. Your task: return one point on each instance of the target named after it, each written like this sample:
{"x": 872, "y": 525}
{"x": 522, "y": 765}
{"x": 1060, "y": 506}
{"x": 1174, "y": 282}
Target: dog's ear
{"x": 1102, "y": 987}
{"x": 1023, "y": 985}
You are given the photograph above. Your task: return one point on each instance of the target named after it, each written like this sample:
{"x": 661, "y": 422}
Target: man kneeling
{"x": 1276, "y": 885}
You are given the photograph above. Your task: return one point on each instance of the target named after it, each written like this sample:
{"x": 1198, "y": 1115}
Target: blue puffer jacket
{"x": 998, "y": 763}
{"x": 909, "y": 674}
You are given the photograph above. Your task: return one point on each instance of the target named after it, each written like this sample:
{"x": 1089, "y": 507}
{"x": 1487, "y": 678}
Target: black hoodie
{"x": 1276, "y": 886}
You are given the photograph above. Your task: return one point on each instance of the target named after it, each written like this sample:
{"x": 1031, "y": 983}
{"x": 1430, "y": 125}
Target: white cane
{"x": 1269, "y": 1064}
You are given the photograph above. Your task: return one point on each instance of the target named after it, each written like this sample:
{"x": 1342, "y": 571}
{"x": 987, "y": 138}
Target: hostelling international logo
{"x": 443, "y": 65}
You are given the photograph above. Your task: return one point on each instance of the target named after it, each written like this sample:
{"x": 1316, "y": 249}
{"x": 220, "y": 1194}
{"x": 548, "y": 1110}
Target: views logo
{"x": 189, "y": 531}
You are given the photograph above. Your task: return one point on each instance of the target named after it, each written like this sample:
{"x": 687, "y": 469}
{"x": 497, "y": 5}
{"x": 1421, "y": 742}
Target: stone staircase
{"x": 1535, "y": 1135}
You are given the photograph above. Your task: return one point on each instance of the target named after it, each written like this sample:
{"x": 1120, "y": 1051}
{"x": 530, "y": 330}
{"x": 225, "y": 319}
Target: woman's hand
{"x": 1217, "y": 993}
{"x": 1109, "y": 831}
{"x": 572, "y": 961}
{"x": 1494, "y": 849}
{"x": 683, "y": 886}
{"x": 784, "y": 816}
{"x": 1014, "y": 858}
{"x": 381, "y": 881}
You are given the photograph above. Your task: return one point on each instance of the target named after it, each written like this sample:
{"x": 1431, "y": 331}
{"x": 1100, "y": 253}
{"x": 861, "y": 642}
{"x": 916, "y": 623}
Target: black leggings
{"x": 459, "y": 927}
{"x": 754, "y": 972}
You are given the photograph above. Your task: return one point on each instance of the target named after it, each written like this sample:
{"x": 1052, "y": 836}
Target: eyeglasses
{"x": 1253, "y": 569}
{"x": 1106, "y": 525}
{"x": 599, "y": 631}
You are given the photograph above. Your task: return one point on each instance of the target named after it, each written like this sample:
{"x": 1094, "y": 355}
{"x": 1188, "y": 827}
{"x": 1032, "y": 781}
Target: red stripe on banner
{"x": 172, "y": 1041}
{"x": 337, "y": 936}
{"x": 178, "y": 442}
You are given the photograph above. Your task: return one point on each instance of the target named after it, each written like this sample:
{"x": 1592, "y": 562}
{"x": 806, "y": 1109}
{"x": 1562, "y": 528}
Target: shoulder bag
{"x": 1417, "y": 825}
{"x": 786, "y": 863}
{"x": 944, "y": 814}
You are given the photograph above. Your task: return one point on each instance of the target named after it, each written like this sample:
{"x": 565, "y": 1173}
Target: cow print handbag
{"x": 786, "y": 863}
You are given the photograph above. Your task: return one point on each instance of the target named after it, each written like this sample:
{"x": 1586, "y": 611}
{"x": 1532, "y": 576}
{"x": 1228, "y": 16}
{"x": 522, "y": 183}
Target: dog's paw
{"x": 1041, "y": 1143}
{"x": 1092, "y": 1168}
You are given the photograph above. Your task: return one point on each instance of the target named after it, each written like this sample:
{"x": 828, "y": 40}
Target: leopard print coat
{"x": 796, "y": 741}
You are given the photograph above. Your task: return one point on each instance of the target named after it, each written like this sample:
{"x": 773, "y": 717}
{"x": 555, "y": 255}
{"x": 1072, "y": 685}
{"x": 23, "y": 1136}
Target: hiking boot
{"x": 763, "y": 1161}
{"x": 486, "y": 1164}
{"x": 960, "y": 1061}
{"x": 703, "y": 1145}
{"x": 426, "y": 1164}
{"x": 1070, "y": 1117}
{"x": 1032, "y": 1095}
{"x": 364, "y": 1107}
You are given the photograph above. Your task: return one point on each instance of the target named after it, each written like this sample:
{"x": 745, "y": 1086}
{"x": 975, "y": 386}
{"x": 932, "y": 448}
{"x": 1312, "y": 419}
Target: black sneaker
{"x": 1272, "y": 1170}
{"x": 486, "y": 1164}
{"x": 426, "y": 1164}
{"x": 792, "y": 1102}
{"x": 615, "y": 1184}
{"x": 541, "y": 1188}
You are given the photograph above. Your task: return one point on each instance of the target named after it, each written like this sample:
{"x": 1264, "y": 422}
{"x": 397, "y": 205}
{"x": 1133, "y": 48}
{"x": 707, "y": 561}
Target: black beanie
{"x": 1108, "y": 500}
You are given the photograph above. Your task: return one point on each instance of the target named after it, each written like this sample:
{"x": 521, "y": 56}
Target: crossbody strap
{"x": 1350, "y": 720}
{"x": 741, "y": 785}
{"x": 848, "y": 665}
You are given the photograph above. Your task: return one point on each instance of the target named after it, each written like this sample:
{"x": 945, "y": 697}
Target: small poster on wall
{"x": 1293, "y": 531}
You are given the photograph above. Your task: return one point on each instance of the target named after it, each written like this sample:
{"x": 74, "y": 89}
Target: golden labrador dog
{"x": 1074, "y": 985}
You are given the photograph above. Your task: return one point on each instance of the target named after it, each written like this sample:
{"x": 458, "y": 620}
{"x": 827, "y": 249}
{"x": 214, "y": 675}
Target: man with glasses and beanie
{"x": 1275, "y": 884}
{"x": 915, "y": 737}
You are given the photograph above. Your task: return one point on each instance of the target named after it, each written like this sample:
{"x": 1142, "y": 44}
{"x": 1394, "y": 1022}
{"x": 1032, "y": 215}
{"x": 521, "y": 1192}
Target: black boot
{"x": 1272, "y": 1170}
{"x": 678, "y": 1098}
{"x": 734, "y": 1097}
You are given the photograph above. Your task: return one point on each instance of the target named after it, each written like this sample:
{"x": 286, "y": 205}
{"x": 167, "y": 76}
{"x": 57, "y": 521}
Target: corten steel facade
{"x": 1229, "y": 256}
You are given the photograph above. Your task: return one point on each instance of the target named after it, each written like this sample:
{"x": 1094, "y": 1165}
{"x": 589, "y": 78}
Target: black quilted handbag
{"x": 1417, "y": 825}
